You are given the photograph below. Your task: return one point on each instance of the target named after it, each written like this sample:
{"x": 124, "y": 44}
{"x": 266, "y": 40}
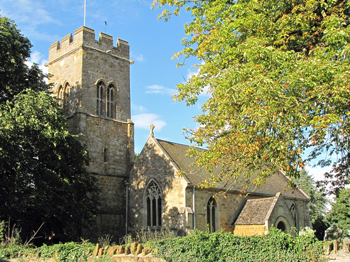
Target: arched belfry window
{"x": 110, "y": 95}
{"x": 211, "y": 213}
{"x": 99, "y": 99}
{"x": 154, "y": 205}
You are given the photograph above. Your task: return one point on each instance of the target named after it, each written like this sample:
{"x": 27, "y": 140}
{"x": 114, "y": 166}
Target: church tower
{"x": 92, "y": 80}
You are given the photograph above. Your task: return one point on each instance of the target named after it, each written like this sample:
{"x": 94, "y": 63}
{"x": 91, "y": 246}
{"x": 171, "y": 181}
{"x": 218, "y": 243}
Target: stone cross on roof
{"x": 151, "y": 127}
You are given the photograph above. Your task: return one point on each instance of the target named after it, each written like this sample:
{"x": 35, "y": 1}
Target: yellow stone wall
{"x": 249, "y": 230}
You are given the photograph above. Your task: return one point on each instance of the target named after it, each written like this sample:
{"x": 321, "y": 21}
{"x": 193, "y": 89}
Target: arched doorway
{"x": 281, "y": 226}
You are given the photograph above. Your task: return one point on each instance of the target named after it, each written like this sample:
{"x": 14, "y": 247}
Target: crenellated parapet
{"x": 84, "y": 38}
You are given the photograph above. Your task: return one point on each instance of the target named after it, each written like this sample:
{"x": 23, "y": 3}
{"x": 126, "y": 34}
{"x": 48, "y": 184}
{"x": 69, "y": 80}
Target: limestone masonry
{"x": 91, "y": 78}
{"x": 80, "y": 64}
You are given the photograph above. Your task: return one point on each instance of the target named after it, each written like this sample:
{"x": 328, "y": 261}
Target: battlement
{"x": 84, "y": 37}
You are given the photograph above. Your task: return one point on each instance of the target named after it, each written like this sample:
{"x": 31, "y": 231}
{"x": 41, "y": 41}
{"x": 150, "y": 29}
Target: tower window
{"x": 99, "y": 94}
{"x": 211, "y": 209}
{"x": 154, "y": 205}
{"x": 105, "y": 159}
{"x": 110, "y": 111}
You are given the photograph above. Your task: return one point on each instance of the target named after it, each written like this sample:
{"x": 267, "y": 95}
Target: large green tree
{"x": 340, "y": 214}
{"x": 42, "y": 166}
{"x": 15, "y": 75}
{"x": 318, "y": 203}
{"x": 277, "y": 73}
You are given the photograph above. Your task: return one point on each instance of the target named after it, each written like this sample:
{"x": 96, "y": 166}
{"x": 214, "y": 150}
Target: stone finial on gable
{"x": 151, "y": 133}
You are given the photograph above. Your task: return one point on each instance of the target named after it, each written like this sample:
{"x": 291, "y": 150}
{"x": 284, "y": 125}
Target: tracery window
{"x": 110, "y": 111}
{"x": 211, "y": 209}
{"x": 294, "y": 211}
{"x": 154, "y": 205}
{"x": 99, "y": 99}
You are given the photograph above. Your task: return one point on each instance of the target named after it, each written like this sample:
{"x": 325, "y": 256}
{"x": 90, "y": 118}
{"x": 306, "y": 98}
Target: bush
{"x": 61, "y": 252}
{"x": 276, "y": 246}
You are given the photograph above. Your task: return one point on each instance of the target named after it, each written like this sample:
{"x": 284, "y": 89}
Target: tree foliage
{"x": 339, "y": 214}
{"x": 42, "y": 166}
{"x": 318, "y": 203}
{"x": 278, "y": 77}
{"x": 15, "y": 75}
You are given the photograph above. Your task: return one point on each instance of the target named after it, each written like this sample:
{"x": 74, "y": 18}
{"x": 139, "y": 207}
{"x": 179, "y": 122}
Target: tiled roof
{"x": 177, "y": 152}
{"x": 255, "y": 211}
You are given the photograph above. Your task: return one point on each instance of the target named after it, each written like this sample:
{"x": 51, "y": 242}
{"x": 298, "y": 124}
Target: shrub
{"x": 276, "y": 246}
{"x": 145, "y": 235}
{"x": 61, "y": 252}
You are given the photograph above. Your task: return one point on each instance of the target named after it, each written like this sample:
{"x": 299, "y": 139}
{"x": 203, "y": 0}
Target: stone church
{"x": 91, "y": 78}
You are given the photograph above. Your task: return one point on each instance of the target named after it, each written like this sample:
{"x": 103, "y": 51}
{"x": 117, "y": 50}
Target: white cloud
{"x": 143, "y": 121}
{"x": 158, "y": 89}
{"x": 27, "y": 11}
{"x": 138, "y": 109}
{"x": 30, "y": 14}
{"x": 139, "y": 58}
{"x": 191, "y": 73}
{"x": 37, "y": 57}
{"x": 317, "y": 172}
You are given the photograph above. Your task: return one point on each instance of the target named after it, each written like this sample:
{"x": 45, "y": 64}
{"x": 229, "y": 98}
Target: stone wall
{"x": 282, "y": 212}
{"x": 249, "y": 230}
{"x": 77, "y": 65}
{"x": 229, "y": 207}
{"x": 109, "y": 142}
{"x": 225, "y": 208}
{"x": 82, "y": 61}
{"x": 154, "y": 164}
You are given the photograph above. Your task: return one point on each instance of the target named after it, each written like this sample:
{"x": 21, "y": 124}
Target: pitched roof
{"x": 256, "y": 211}
{"x": 278, "y": 182}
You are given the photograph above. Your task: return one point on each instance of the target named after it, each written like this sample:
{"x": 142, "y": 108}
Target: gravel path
{"x": 340, "y": 256}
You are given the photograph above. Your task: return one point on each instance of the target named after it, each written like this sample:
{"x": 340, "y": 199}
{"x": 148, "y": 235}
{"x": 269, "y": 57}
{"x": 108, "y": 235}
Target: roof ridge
{"x": 261, "y": 199}
{"x": 180, "y": 144}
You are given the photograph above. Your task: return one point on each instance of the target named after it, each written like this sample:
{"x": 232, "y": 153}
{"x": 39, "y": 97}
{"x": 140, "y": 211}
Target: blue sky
{"x": 153, "y": 42}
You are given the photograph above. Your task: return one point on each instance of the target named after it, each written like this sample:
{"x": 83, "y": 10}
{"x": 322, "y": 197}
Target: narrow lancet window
{"x": 211, "y": 209}
{"x": 105, "y": 158}
{"x": 110, "y": 111}
{"x": 99, "y": 99}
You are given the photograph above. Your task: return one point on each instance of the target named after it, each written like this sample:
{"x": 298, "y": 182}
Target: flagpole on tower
{"x": 84, "y": 11}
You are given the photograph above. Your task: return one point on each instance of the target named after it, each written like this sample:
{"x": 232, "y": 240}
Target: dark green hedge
{"x": 276, "y": 246}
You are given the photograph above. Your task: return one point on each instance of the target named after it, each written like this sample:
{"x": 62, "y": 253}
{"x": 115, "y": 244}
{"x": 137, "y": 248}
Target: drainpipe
{"x": 194, "y": 206}
{"x": 126, "y": 205}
